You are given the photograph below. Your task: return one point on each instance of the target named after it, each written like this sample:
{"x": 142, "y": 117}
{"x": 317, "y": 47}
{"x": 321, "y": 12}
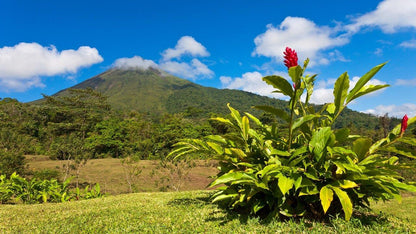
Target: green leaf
{"x": 285, "y": 183}
{"x": 331, "y": 108}
{"x": 326, "y": 195}
{"x": 230, "y": 177}
{"x": 408, "y": 187}
{"x": 405, "y": 152}
{"x": 346, "y": 184}
{"x": 341, "y": 135}
{"x": 245, "y": 127}
{"x": 218, "y": 149}
{"x": 296, "y": 74}
{"x": 222, "y": 120}
{"x": 362, "y": 81}
{"x": 340, "y": 91}
{"x": 216, "y": 138}
{"x": 280, "y": 153}
{"x": 304, "y": 119}
{"x": 320, "y": 140}
{"x": 309, "y": 87}
{"x": 278, "y": 112}
{"x": 255, "y": 120}
{"x": 224, "y": 197}
{"x": 235, "y": 114}
{"x": 368, "y": 89}
{"x": 280, "y": 83}
{"x": 238, "y": 152}
{"x": 361, "y": 147}
{"x": 345, "y": 202}
{"x": 408, "y": 140}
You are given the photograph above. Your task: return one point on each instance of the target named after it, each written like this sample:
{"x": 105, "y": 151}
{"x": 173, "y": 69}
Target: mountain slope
{"x": 155, "y": 92}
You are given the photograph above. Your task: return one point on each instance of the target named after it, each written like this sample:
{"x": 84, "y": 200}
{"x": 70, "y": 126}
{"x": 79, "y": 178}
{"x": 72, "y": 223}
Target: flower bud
{"x": 404, "y": 124}
{"x": 291, "y": 58}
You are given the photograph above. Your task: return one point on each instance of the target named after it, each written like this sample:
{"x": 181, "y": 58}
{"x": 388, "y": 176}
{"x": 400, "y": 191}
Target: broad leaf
{"x": 341, "y": 135}
{"x": 224, "y": 197}
{"x": 216, "y": 147}
{"x": 345, "y": 202}
{"x": 235, "y": 114}
{"x": 222, "y": 120}
{"x": 326, "y": 195}
{"x": 230, "y": 177}
{"x": 363, "y": 81}
{"x": 245, "y": 127}
{"x": 361, "y": 147}
{"x": 368, "y": 89}
{"x": 279, "y": 83}
{"x": 320, "y": 141}
{"x": 340, "y": 91}
{"x": 346, "y": 184}
{"x": 255, "y": 120}
{"x": 304, "y": 119}
{"x": 295, "y": 73}
{"x": 285, "y": 184}
{"x": 405, "y": 152}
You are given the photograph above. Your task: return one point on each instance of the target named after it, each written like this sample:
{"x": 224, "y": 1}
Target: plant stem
{"x": 291, "y": 120}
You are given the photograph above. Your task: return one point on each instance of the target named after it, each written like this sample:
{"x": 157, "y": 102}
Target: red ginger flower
{"x": 291, "y": 58}
{"x": 404, "y": 124}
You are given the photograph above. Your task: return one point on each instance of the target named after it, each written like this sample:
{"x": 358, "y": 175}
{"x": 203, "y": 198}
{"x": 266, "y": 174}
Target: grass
{"x": 111, "y": 175}
{"x": 186, "y": 212}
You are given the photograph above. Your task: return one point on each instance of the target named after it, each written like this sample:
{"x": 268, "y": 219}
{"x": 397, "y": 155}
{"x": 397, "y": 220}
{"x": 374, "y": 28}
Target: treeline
{"x": 81, "y": 125}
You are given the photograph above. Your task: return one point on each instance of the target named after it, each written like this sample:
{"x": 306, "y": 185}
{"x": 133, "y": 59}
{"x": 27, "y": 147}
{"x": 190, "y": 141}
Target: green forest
{"x": 82, "y": 125}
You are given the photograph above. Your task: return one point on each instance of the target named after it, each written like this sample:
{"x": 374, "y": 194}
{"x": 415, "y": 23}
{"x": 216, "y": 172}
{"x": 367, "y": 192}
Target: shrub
{"x": 17, "y": 189}
{"x": 312, "y": 169}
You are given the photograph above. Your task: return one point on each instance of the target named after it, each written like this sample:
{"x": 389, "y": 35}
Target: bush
{"x": 11, "y": 161}
{"x": 17, "y": 189}
{"x": 311, "y": 170}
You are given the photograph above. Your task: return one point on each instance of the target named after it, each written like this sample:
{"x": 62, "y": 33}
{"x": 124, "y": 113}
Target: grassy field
{"x": 186, "y": 212}
{"x": 111, "y": 175}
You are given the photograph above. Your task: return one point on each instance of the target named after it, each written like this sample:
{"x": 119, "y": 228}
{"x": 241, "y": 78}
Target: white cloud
{"x": 409, "y": 44}
{"x": 307, "y": 38}
{"x": 378, "y": 52}
{"x": 134, "y": 62}
{"x": 23, "y": 64}
{"x": 394, "y": 110}
{"x": 403, "y": 82}
{"x": 250, "y": 82}
{"x": 390, "y": 15}
{"x": 185, "y": 45}
{"x": 323, "y": 91}
{"x": 192, "y": 70}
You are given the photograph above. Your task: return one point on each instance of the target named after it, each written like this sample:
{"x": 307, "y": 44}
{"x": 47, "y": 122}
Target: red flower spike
{"x": 404, "y": 124}
{"x": 294, "y": 86}
{"x": 291, "y": 58}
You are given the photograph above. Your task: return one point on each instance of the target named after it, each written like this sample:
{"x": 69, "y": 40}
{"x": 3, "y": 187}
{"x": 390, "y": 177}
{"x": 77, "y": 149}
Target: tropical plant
{"x": 19, "y": 189}
{"x": 309, "y": 168}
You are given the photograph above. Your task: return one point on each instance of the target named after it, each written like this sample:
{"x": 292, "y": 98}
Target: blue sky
{"x": 46, "y": 46}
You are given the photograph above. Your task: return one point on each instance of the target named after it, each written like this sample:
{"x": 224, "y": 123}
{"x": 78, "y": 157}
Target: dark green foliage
{"x": 313, "y": 170}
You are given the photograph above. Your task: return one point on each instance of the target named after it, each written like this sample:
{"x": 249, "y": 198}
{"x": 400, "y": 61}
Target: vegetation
{"x": 295, "y": 160}
{"x": 187, "y": 212}
{"x": 17, "y": 189}
{"x": 314, "y": 170}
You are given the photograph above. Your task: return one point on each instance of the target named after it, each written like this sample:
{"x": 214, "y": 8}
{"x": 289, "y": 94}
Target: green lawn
{"x": 186, "y": 212}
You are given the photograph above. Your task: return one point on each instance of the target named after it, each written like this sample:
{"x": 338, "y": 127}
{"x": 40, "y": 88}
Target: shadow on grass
{"x": 359, "y": 219}
{"x": 202, "y": 200}
{"x": 222, "y": 215}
